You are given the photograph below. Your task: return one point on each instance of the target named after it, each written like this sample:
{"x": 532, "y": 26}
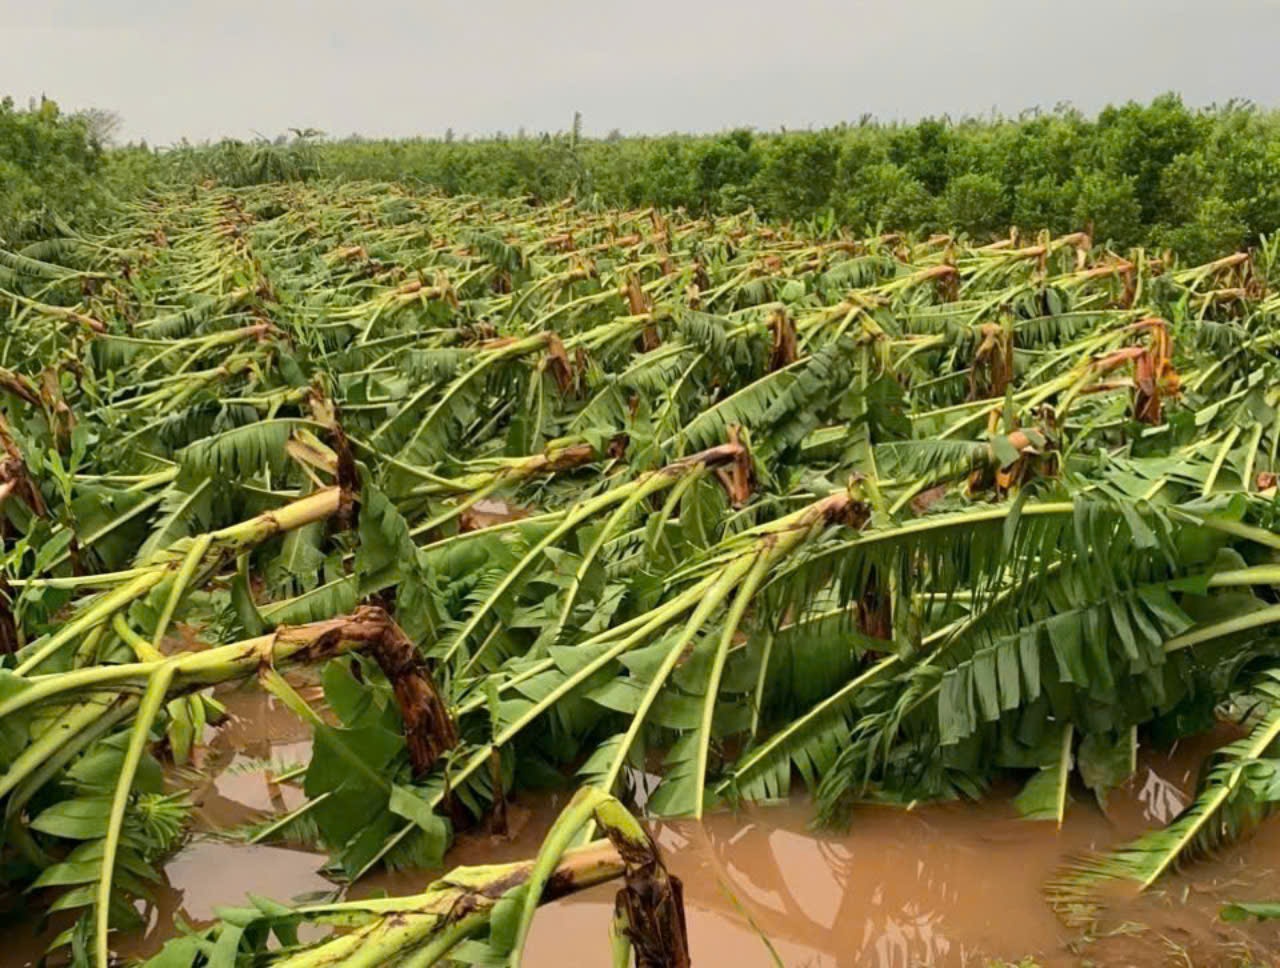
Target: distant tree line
{"x": 1202, "y": 182}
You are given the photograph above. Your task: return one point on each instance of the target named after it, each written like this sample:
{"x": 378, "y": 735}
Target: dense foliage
{"x": 50, "y": 167}
{"x": 1202, "y": 182}
{"x": 540, "y": 495}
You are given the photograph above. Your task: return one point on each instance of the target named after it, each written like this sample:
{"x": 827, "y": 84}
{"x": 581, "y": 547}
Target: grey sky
{"x": 390, "y": 67}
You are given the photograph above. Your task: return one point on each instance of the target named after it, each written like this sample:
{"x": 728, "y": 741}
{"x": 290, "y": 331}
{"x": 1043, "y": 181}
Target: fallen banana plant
{"x": 160, "y": 583}
{"x": 471, "y": 914}
{"x": 1237, "y": 795}
{"x": 51, "y": 720}
{"x": 729, "y": 504}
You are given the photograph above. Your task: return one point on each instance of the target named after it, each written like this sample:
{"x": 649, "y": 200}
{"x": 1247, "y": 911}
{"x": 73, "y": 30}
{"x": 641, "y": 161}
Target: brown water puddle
{"x": 231, "y": 788}
{"x": 950, "y": 884}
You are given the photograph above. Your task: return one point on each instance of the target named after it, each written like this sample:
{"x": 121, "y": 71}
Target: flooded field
{"x": 944, "y": 884}
{"x": 544, "y": 493}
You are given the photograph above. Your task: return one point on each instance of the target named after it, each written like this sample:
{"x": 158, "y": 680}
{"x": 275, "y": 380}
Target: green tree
{"x": 887, "y": 196}
{"x": 1218, "y": 226}
{"x": 1109, "y": 203}
{"x": 975, "y": 203}
{"x": 923, "y": 149}
{"x": 723, "y": 170}
{"x": 1044, "y": 203}
{"x": 1138, "y": 141}
{"x": 48, "y": 165}
{"x": 796, "y": 178}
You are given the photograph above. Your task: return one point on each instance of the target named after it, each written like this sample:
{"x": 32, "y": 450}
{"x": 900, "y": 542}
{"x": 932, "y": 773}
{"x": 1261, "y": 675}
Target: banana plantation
{"x": 683, "y": 515}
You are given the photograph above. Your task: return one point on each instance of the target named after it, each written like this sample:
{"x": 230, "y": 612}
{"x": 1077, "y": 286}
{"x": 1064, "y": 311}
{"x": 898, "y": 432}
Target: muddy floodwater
{"x": 949, "y": 884}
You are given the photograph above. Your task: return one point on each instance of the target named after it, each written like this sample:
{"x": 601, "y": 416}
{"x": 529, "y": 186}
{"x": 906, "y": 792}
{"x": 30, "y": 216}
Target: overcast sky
{"x": 392, "y": 67}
